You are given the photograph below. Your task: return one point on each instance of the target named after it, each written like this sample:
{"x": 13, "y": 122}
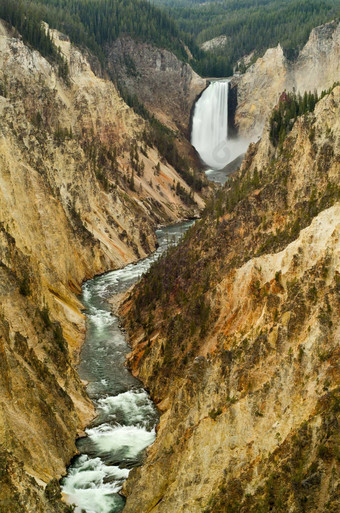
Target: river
{"x": 127, "y": 418}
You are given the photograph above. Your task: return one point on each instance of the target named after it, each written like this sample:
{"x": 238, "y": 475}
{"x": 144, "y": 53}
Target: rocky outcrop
{"x": 215, "y": 43}
{"x": 239, "y": 346}
{"x": 167, "y": 86}
{"x": 316, "y": 68}
{"x": 80, "y": 193}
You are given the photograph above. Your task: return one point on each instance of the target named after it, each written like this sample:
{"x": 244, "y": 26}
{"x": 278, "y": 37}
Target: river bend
{"x": 126, "y": 420}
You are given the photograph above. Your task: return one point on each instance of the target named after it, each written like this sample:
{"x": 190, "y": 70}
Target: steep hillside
{"x": 167, "y": 86}
{"x": 316, "y": 67}
{"x": 137, "y": 44}
{"x": 247, "y": 26}
{"x": 236, "y": 334}
{"x": 80, "y": 193}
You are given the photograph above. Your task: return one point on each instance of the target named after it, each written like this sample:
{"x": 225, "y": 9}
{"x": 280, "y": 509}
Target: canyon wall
{"x": 239, "y": 345}
{"x": 167, "y": 86}
{"x": 80, "y": 193}
{"x": 317, "y": 67}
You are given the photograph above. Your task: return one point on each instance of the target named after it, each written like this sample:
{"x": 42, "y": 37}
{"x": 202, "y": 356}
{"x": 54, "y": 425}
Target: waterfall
{"x": 210, "y": 125}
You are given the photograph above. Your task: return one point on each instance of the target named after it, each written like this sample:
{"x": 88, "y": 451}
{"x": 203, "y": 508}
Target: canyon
{"x": 239, "y": 346}
{"x": 258, "y": 90}
{"x": 249, "y": 398}
{"x": 81, "y": 192}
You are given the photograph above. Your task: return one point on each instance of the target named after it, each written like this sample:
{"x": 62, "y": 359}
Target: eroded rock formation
{"x": 316, "y": 68}
{"x": 80, "y": 193}
{"x": 239, "y": 344}
{"x": 167, "y": 86}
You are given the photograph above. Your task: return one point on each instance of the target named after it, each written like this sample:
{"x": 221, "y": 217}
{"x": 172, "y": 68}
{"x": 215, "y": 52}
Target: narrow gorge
{"x": 126, "y": 418}
{"x": 169, "y": 266}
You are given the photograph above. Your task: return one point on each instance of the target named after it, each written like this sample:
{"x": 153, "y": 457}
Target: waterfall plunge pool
{"x": 126, "y": 417}
{"x": 209, "y": 136}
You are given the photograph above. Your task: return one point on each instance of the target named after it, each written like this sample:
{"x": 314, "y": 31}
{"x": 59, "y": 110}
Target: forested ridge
{"x": 95, "y": 23}
{"x": 250, "y": 26}
{"x": 25, "y": 18}
{"x": 290, "y": 107}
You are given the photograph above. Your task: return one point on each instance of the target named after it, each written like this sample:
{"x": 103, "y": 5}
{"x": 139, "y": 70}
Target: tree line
{"x": 250, "y": 25}
{"x": 97, "y": 23}
{"x": 289, "y": 108}
{"x": 25, "y": 18}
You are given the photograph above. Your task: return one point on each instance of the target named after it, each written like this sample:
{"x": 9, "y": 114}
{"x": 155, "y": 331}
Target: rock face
{"x": 316, "y": 68}
{"x": 80, "y": 193}
{"x": 241, "y": 351}
{"x": 167, "y": 86}
{"x": 213, "y": 44}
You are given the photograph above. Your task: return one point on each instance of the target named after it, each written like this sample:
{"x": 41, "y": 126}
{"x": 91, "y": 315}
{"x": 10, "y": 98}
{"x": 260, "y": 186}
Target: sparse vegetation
{"x": 45, "y": 315}
{"x": 27, "y": 20}
{"x": 290, "y": 107}
{"x": 260, "y": 210}
{"x": 158, "y": 135}
{"x": 24, "y": 285}
{"x": 213, "y": 414}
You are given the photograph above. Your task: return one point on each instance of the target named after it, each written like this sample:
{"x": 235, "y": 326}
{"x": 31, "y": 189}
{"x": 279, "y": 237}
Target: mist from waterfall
{"x": 209, "y": 133}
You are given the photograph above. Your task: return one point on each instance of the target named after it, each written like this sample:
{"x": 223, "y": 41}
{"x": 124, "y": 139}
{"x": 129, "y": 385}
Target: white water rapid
{"x": 127, "y": 418}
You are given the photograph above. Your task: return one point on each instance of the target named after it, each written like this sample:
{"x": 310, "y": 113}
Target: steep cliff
{"x": 316, "y": 68}
{"x": 236, "y": 334}
{"x": 167, "y": 86}
{"x": 80, "y": 193}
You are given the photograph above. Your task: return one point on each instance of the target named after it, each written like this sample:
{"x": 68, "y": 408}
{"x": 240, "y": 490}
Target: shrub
{"x": 24, "y": 286}
{"x": 213, "y": 414}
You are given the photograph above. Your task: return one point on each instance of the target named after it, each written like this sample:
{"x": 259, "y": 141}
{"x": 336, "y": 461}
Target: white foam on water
{"x": 127, "y": 440}
{"x": 210, "y": 128}
{"x": 91, "y": 484}
{"x": 101, "y": 319}
{"x": 86, "y": 291}
{"x": 94, "y": 500}
{"x": 131, "y": 407}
